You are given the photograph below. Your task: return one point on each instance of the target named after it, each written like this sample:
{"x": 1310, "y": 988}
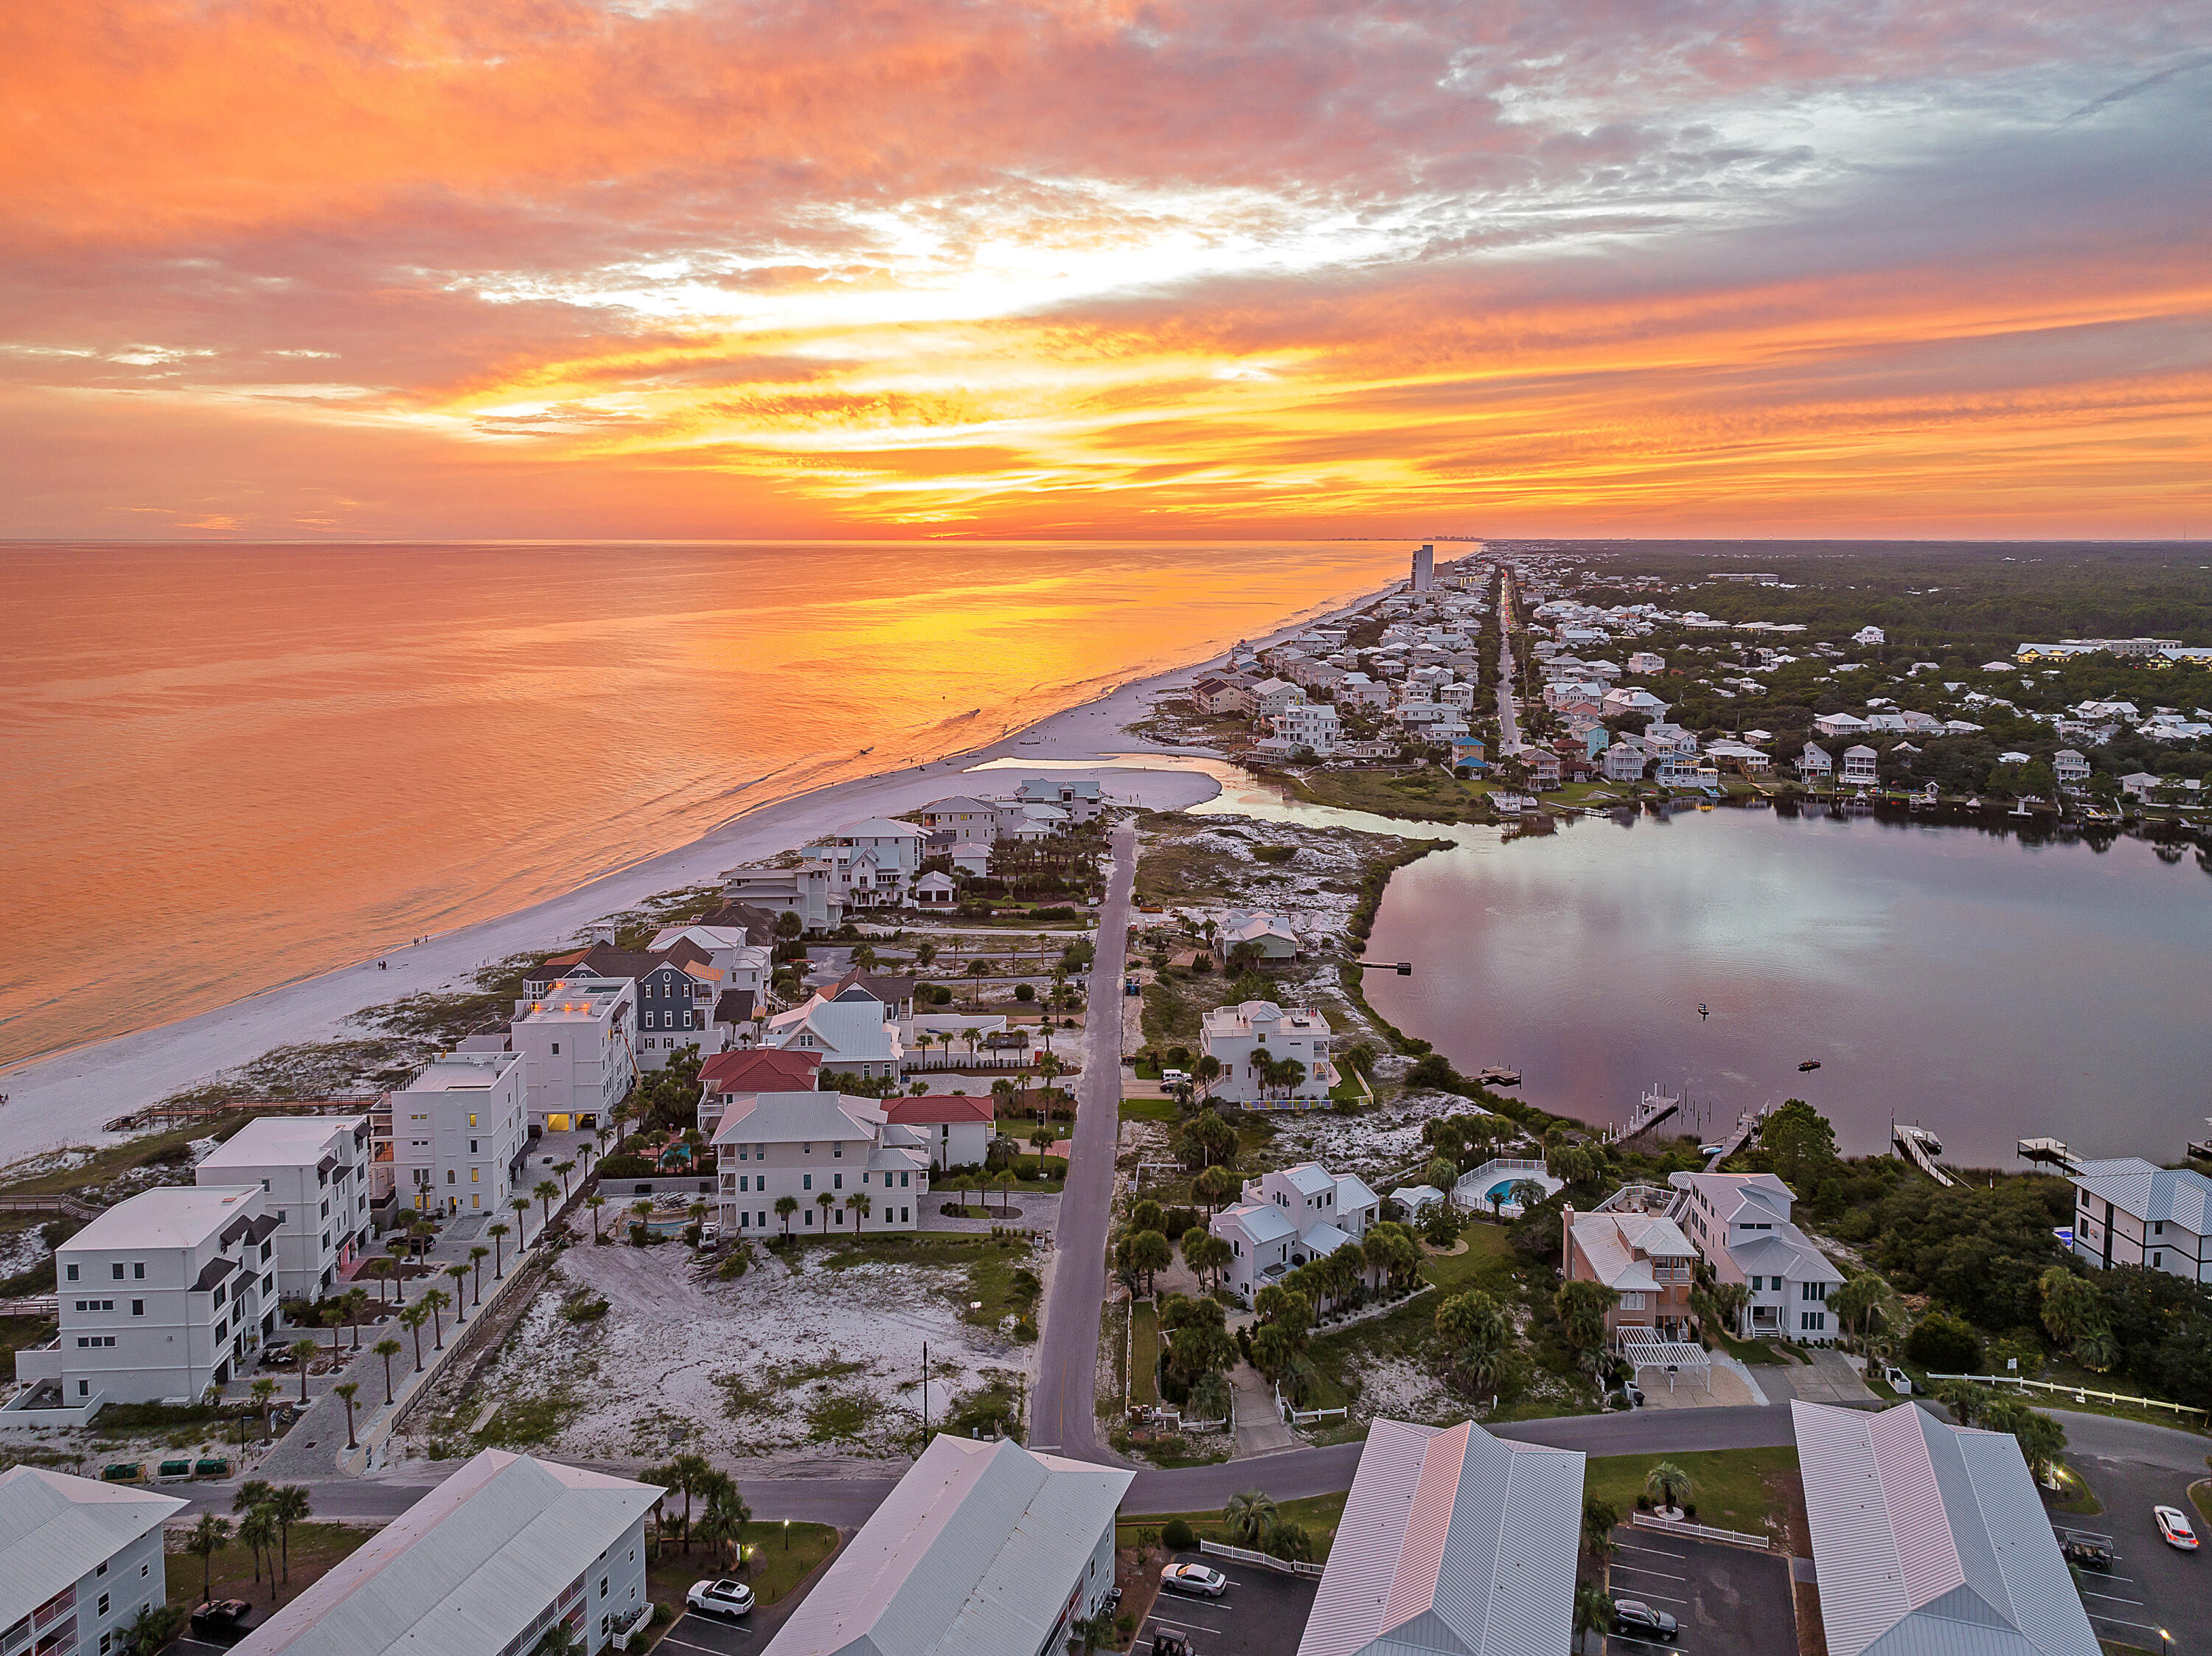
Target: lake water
{"x": 228, "y": 767}
{"x": 1985, "y": 988}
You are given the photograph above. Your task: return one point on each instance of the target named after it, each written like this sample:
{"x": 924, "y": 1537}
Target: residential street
{"x": 1508, "y": 728}
{"x": 1061, "y": 1415}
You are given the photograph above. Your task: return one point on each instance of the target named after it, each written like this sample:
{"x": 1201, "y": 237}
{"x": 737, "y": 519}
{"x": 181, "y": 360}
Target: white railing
{"x": 2079, "y": 1393}
{"x": 1246, "y": 1556}
{"x": 1700, "y": 1532}
{"x": 1297, "y": 1417}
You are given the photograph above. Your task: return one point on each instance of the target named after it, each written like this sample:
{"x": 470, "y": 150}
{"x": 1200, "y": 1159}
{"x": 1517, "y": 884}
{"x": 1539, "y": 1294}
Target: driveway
{"x": 1827, "y": 1379}
{"x": 1061, "y": 1418}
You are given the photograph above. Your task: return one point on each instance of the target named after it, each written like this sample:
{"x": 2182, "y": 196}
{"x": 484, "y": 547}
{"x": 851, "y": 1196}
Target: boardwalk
{"x": 1746, "y": 1126}
{"x": 1921, "y": 1148}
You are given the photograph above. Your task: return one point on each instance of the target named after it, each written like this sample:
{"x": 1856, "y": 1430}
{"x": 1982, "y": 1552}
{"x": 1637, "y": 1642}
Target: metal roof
{"x": 1929, "y": 1540}
{"x": 974, "y": 1553}
{"x": 464, "y": 1570}
{"x": 1454, "y": 1542}
{"x": 55, "y": 1529}
{"x": 2182, "y": 1196}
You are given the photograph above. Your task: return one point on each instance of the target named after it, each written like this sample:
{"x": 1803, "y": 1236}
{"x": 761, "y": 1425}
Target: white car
{"x": 1174, "y": 1078}
{"x": 1194, "y": 1578}
{"x": 2174, "y": 1527}
{"x": 724, "y": 1598}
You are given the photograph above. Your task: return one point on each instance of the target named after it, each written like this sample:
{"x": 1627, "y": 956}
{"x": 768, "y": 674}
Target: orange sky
{"x": 277, "y": 269}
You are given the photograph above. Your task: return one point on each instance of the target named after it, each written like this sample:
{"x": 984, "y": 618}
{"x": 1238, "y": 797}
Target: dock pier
{"x": 1921, "y": 1148}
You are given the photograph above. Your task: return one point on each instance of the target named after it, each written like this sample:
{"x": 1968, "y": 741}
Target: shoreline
{"x": 63, "y": 1098}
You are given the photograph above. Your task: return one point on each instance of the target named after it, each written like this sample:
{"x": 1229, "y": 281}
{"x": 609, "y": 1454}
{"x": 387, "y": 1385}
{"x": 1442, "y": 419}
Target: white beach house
{"x": 315, "y": 1170}
{"x": 2129, "y": 1212}
{"x": 1287, "y": 1218}
{"x": 578, "y": 1046}
{"x": 1742, "y": 1225}
{"x": 459, "y": 1131}
{"x": 1252, "y": 1038}
{"x": 79, "y": 1560}
{"x": 838, "y": 1156}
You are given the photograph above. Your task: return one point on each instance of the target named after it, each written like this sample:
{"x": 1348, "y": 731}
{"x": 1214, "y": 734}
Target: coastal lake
{"x": 229, "y": 767}
{"x": 1989, "y": 989}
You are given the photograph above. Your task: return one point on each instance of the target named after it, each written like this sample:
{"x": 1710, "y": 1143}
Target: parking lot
{"x": 1263, "y": 1614}
{"x": 1728, "y": 1601}
{"x": 2150, "y": 1585}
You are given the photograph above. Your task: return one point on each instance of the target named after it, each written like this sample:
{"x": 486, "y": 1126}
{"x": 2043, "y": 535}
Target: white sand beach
{"x": 64, "y": 1098}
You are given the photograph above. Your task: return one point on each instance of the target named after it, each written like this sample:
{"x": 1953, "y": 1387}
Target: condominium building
{"x": 162, "y": 1297}
{"x": 79, "y": 1560}
{"x": 314, "y": 1169}
{"x": 578, "y": 1042}
{"x": 983, "y": 1548}
{"x": 460, "y": 1131}
{"x": 838, "y": 1156}
{"x": 483, "y": 1565}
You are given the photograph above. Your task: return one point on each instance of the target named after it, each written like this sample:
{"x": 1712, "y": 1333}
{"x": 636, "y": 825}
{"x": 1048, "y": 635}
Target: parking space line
{"x": 2114, "y": 1621}
{"x": 1656, "y": 1552}
{"x": 1648, "y": 1644}
{"x": 1646, "y": 1570}
{"x": 669, "y": 1638}
{"x": 1176, "y": 1627}
{"x": 2111, "y": 1598}
{"x": 1658, "y": 1598}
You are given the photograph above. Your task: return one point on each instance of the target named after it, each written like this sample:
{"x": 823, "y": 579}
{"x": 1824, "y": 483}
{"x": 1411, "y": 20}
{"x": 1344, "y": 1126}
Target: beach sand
{"x": 65, "y": 1098}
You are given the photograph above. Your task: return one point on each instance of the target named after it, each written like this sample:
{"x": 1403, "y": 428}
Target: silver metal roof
{"x": 55, "y": 1528}
{"x": 1452, "y": 1542}
{"x": 465, "y": 1569}
{"x": 974, "y": 1553}
{"x": 1929, "y": 1540}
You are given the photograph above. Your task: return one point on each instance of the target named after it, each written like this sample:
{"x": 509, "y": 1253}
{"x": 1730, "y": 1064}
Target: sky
{"x": 290, "y": 270}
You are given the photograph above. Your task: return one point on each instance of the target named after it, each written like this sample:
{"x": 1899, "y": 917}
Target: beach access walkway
{"x": 1061, "y": 1418}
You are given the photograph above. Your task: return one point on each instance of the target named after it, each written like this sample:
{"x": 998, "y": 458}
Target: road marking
{"x": 2111, "y": 1598}
{"x": 1155, "y": 1621}
{"x": 1656, "y": 1552}
{"x": 2114, "y": 1621}
{"x": 1645, "y": 1593}
{"x": 1648, "y": 1644}
{"x": 669, "y": 1638}
{"x": 1646, "y": 1570}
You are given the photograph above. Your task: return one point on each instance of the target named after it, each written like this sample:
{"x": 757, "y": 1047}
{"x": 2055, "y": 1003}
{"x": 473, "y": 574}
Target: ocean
{"x": 229, "y": 767}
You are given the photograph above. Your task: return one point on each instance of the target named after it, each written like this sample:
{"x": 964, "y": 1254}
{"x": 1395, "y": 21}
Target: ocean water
{"x": 1988, "y": 989}
{"x": 228, "y": 766}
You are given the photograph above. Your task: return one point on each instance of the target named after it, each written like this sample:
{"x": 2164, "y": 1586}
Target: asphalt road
{"x": 1061, "y": 1418}
{"x": 2132, "y": 1468}
{"x": 1508, "y": 728}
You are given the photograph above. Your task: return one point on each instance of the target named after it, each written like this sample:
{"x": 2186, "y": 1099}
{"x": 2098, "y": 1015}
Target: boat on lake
{"x": 1808, "y": 1066}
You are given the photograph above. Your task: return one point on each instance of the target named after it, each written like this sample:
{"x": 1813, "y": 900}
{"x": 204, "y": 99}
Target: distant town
{"x": 1005, "y": 1226}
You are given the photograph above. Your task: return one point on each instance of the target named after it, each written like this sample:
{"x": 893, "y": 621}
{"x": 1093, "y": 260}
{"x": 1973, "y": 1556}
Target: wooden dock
{"x": 1921, "y": 1148}
{"x": 1747, "y": 1127}
{"x": 1654, "y": 1107}
{"x": 2047, "y": 1152}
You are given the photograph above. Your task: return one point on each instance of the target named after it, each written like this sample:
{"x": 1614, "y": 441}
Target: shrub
{"x": 1178, "y": 1535}
{"x": 1277, "y": 854}
{"x": 1944, "y": 1344}
{"x": 624, "y": 1167}
{"x": 1025, "y": 991}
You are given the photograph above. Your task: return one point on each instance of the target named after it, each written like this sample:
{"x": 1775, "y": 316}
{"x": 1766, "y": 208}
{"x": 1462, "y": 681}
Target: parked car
{"x": 2088, "y": 1552}
{"x": 1194, "y": 1578}
{"x": 2175, "y": 1528}
{"x": 1174, "y": 1078}
{"x": 1708, "y": 1151}
{"x": 220, "y": 1616}
{"x": 1638, "y": 1620}
{"x": 1171, "y": 1644}
{"x": 724, "y": 1598}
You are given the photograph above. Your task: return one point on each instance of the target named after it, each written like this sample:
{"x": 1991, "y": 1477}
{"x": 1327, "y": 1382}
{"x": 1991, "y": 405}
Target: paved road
{"x": 1508, "y": 727}
{"x": 2131, "y": 1469}
{"x": 1060, "y": 1416}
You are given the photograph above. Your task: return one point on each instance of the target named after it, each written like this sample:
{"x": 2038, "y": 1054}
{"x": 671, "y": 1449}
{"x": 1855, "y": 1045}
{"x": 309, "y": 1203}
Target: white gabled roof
{"x": 974, "y": 1554}
{"x": 1322, "y": 1239}
{"x": 1785, "y": 1251}
{"x": 1309, "y": 1179}
{"x": 1929, "y": 1540}
{"x": 2182, "y": 1197}
{"x": 1452, "y": 1541}
{"x": 55, "y": 1528}
{"x": 807, "y": 1117}
{"x": 1353, "y": 1193}
{"x": 1262, "y": 1221}
{"x": 466, "y": 1570}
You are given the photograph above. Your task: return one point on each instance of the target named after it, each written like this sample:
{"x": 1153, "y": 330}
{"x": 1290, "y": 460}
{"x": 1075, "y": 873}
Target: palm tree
{"x": 585, "y": 1150}
{"x": 545, "y": 1191}
{"x": 521, "y": 1206}
{"x": 412, "y": 1319}
{"x": 336, "y": 1323}
{"x": 1004, "y": 1181}
{"x": 356, "y": 1299}
{"x": 726, "y": 1516}
{"x": 785, "y": 1207}
{"x": 499, "y": 1233}
{"x": 1593, "y": 1608}
{"x": 289, "y": 1506}
{"x": 349, "y": 1390}
{"x": 378, "y": 1269}
{"x": 860, "y": 1206}
{"x": 595, "y": 1202}
{"x": 257, "y": 1529}
{"x": 1666, "y": 1483}
{"x": 690, "y": 1474}
{"x": 459, "y": 1274}
{"x": 434, "y": 1301}
{"x": 303, "y": 1348}
{"x": 978, "y": 968}
{"x": 387, "y": 1348}
{"x": 477, "y": 1255}
{"x": 564, "y": 1169}
{"x": 209, "y": 1537}
{"x": 639, "y": 1213}
{"x": 1600, "y": 1519}
{"x": 397, "y": 1247}
{"x": 825, "y": 1201}
{"x": 1091, "y": 1632}
{"x": 1252, "y": 1519}
{"x": 263, "y": 1390}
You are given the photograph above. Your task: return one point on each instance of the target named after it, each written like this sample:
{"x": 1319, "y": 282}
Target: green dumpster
{"x": 124, "y": 1471}
{"x": 169, "y": 1469}
{"x": 211, "y": 1466}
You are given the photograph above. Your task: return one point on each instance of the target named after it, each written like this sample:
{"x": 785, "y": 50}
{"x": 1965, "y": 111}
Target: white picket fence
{"x": 1699, "y": 1532}
{"x": 1246, "y": 1556}
{"x": 2079, "y": 1393}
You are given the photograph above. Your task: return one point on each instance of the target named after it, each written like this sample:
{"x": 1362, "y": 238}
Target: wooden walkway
{"x": 1915, "y": 1142}
{"x": 1746, "y": 1126}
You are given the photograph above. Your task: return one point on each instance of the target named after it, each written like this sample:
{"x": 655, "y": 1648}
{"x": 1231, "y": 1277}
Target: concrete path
{"x": 1827, "y": 1379}
{"x": 1260, "y": 1428}
{"x": 1061, "y": 1418}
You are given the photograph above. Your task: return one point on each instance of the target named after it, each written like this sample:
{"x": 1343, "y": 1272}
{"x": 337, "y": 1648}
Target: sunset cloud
{"x": 541, "y": 267}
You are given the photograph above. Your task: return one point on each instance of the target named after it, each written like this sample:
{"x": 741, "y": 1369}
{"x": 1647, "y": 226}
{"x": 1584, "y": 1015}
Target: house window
{"x": 556, "y": 1049}
{"x": 806, "y": 1181}
{"x": 903, "y": 1179}
{"x": 118, "y": 1269}
{"x": 72, "y": 1273}
{"x": 837, "y": 1180}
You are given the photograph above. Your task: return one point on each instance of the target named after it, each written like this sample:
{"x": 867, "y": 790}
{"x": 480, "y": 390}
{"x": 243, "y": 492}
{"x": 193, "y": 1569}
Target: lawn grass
{"x": 316, "y": 1548}
{"x": 2075, "y": 1497}
{"x": 1488, "y": 1264}
{"x": 1143, "y": 1353}
{"x": 1150, "y": 1109}
{"x": 999, "y": 1283}
{"x": 1750, "y": 1352}
{"x": 771, "y": 1568}
{"x": 2200, "y": 1496}
{"x": 1732, "y": 1489}
{"x": 1318, "y": 1514}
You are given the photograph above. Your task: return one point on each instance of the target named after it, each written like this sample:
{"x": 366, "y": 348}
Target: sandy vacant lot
{"x": 778, "y": 1370}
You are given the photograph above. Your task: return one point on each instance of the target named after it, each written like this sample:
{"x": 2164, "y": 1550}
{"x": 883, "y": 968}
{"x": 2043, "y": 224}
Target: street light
{"x": 786, "y": 1535}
